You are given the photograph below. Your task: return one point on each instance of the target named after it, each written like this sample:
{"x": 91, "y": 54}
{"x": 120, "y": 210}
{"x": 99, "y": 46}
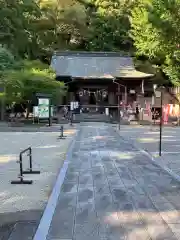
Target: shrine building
{"x": 101, "y": 78}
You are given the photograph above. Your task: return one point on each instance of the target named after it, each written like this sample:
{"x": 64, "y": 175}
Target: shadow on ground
{"x": 112, "y": 191}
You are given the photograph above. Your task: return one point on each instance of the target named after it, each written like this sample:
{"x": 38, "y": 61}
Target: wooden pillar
{"x": 111, "y": 98}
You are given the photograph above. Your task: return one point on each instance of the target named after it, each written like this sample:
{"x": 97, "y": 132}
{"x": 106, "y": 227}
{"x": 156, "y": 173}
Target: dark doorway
{"x": 92, "y": 99}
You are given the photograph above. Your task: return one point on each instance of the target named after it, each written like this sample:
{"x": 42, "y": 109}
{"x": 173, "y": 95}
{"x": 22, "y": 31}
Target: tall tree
{"x": 16, "y": 31}
{"x": 108, "y": 25}
{"x": 155, "y": 31}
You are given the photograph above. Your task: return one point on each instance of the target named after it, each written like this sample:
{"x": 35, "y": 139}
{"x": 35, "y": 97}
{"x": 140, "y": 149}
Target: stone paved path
{"x": 112, "y": 191}
{"x": 147, "y": 138}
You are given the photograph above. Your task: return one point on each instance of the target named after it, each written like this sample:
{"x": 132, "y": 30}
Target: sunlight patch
{"x": 47, "y": 146}
{"x": 99, "y": 137}
{"x": 147, "y": 140}
{"x": 7, "y": 158}
{"x": 123, "y": 155}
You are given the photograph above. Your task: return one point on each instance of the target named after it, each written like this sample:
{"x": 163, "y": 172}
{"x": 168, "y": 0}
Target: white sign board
{"x": 43, "y": 107}
{"x": 43, "y": 101}
{"x": 43, "y": 111}
{"x": 74, "y": 105}
{"x": 38, "y": 112}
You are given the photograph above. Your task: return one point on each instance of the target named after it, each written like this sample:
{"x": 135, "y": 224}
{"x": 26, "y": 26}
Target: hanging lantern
{"x": 81, "y": 93}
{"x": 104, "y": 94}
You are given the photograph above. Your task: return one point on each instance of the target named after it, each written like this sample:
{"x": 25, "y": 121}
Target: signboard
{"x": 43, "y": 101}
{"x": 36, "y": 111}
{"x": 43, "y": 107}
{"x": 43, "y": 111}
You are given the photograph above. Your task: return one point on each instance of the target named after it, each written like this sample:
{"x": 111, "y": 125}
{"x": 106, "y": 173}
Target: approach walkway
{"x": 112, "y": 191}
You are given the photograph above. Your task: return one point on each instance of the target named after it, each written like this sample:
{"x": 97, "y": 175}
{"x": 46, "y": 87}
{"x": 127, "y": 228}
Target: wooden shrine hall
{"x": 101, "y": 78}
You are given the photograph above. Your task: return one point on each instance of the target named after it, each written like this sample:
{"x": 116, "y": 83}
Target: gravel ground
{"x": 26, "y": 202}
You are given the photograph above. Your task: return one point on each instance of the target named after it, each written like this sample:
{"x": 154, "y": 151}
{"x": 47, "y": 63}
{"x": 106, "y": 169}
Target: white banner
{"x": 43, "y": 101}
{"x": 74, "y": 105}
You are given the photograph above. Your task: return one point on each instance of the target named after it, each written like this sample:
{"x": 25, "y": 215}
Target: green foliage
{"x": 155, "y": 29}
{"x": 16, "y": 25}
{"x": 36, "y": 28}
{"x": 33, "y": 77}
{"x": 109, "y": 25}
{"x": 7, "y": 60}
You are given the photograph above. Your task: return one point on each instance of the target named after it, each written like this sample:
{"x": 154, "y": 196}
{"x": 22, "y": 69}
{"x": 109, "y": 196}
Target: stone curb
{"x": 150, "y": 156}
{"x": 45, "y": 222}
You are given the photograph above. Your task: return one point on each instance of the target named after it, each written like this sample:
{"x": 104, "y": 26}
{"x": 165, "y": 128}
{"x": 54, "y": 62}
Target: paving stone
{"x": 120, "y": 195}
{"x": 72, "y": 177}
{"x": 86, "y": 178}
{"x": 69, "y": 187}
{"x": 104, "y": 204}
{"x": 85, "y": 213}
{"x": 85, "y": 195}
{"x": 127, "y": 217}
{"x": 23, "y": 230}
{"x": 113, "y": 232}
{"x": 112, "y": 191}
{"x": 135, "y": 190}
{"x": 115, "y": 183}
{"x": 136, "y": 231}
{"x": 62, "y": 225}
{"x": 143, "y": 203}
{"x": 102, "y": 189}
{"x": 66, "y": 201}
{"x": 175, "y": 228}
{"x": 87, "y": 231}
{"x": 160, "y": 232}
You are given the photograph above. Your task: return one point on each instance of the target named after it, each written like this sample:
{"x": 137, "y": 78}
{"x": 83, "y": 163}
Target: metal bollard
{"x": 21, "y": 177}
{"x": 30, "y": 171}
{"x": 62, "y": 133}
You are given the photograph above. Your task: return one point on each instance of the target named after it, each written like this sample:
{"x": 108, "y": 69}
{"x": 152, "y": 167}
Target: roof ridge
{"x": 93, "y": 53}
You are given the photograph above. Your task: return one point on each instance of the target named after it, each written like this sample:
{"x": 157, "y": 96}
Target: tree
{"x": 61, "y": 26}
{"x": 16, "y": 25}
{"x": 33, "y": 77}
{"x": 155, "y": 31}
{"x": 7, "y": 60}
{"x": 108, "y": 25}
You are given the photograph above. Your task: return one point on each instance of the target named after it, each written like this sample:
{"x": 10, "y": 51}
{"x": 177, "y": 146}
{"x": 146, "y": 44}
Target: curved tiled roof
{"x": 95, "y": 65}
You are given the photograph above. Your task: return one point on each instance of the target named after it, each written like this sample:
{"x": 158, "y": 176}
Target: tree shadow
{"x": 113, "y": 191}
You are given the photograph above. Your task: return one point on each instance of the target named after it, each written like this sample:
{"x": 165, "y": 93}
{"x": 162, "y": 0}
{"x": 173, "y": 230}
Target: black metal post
{"x": 160, "y": 125}
{"x": 119, "y": 117}
{"x": 71, "y": 118}
{"x": 49, "y": 119}
{"x": 21, "y": 167}
{"x": 21, "y": 181}
{"x": 30, "y": 171}
{"x": 62, "y": 132}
